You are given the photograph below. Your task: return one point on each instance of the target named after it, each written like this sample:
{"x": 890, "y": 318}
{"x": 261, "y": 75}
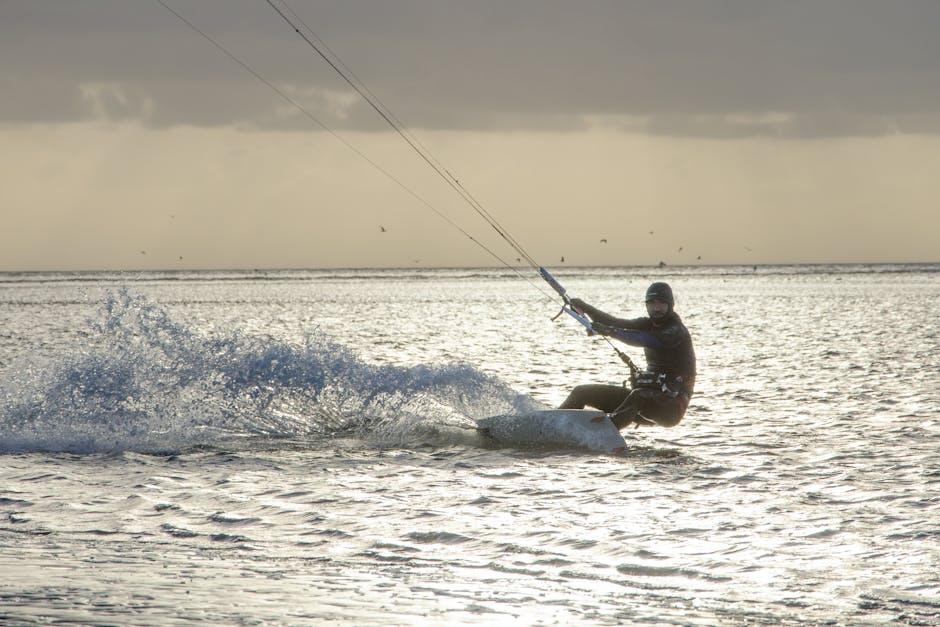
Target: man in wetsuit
{"x": 661, "y": 394}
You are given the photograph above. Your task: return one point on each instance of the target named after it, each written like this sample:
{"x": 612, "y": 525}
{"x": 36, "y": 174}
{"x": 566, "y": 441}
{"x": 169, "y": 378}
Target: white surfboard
{"x": 556, "y": 427}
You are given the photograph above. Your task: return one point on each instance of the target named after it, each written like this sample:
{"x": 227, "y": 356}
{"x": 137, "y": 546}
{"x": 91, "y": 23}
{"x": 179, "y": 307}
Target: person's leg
{"x": 603, "y": 397}
{"x": 628, "y": 411}
{"x": 664, "y": 410}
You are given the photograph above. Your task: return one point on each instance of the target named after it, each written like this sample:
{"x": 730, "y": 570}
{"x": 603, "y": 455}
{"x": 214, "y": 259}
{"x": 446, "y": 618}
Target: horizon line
{"x": 488, "y": 267}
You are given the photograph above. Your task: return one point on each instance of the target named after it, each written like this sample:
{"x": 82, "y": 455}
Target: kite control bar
{"x": 584, "y": 320}
{"x": 566, "y": 308}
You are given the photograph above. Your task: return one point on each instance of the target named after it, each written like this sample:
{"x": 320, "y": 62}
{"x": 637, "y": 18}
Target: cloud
{"x": 711, "y": 68}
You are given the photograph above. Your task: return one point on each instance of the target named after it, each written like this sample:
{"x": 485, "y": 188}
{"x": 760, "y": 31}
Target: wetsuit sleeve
{"x": 634, "y": 332}
{"x": 669, "y": 337}
{"x": 621, "y": 323}
{"x": 634, "y": 337}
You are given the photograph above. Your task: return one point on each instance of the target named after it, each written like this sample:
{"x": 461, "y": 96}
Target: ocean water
{"x": 298, "y": 447}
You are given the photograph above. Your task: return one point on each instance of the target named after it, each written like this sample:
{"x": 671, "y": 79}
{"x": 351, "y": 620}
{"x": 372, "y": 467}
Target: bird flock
{"x": 602, "y": 240}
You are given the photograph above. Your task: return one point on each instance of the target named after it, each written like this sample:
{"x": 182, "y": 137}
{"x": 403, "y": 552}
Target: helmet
{"x": 660, "y": 291}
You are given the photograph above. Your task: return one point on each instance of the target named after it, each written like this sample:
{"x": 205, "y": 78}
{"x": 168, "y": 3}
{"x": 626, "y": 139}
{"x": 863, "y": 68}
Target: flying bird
{"x": 381, "y": 228}
{"x": 562, "y": 259}
{"x": 603, "y": 241}
{"x": 699, "y": 257}
{"x": 680, "y": 250}
{"x": 651, "y": 232}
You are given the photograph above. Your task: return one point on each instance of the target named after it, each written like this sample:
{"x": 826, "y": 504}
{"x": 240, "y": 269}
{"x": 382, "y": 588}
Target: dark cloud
{"x": 801, "y": 68}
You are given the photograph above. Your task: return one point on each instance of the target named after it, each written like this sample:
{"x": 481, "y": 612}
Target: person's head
{"x": 659, "y": 300}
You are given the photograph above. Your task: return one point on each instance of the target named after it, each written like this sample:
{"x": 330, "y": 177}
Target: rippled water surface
{"x": 295, "y": 447}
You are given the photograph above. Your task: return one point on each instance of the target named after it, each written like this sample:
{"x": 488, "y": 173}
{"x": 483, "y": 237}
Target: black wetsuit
{"x": 669, "y": 351}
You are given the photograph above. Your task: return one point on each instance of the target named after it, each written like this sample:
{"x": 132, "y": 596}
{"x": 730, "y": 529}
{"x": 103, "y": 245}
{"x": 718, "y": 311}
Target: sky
{"x": 689, "y": 132}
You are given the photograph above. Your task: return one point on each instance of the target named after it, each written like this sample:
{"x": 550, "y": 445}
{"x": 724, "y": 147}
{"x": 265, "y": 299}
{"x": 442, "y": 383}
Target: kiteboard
{"x": 576, "y": 428}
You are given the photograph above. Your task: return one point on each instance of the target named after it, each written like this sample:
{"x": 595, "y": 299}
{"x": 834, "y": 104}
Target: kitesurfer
{"x": 660, "y": 395}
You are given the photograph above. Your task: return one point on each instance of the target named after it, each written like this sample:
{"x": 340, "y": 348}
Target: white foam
{"x": 146, "y": 382}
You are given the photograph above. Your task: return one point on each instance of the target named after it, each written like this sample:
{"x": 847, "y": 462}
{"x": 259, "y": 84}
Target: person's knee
{"x": 623, "y": 419}
{"x": 584, "y": 393}
{"x": 664, "y": 412}
{"x": 661, "y": 416}
{"x": 668, "y": 418}
{"x": 576, "y": 398}
{"x": 669, "y": 421}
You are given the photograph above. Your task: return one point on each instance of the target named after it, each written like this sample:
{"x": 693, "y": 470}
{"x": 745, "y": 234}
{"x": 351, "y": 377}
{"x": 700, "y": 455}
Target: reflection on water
{"x": 321, "y": 467}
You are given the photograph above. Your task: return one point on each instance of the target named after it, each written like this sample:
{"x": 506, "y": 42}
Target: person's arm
{"x": 596, "y": 315}
{"x": 668, "y": 337}
{"x": 632, "y": 337}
